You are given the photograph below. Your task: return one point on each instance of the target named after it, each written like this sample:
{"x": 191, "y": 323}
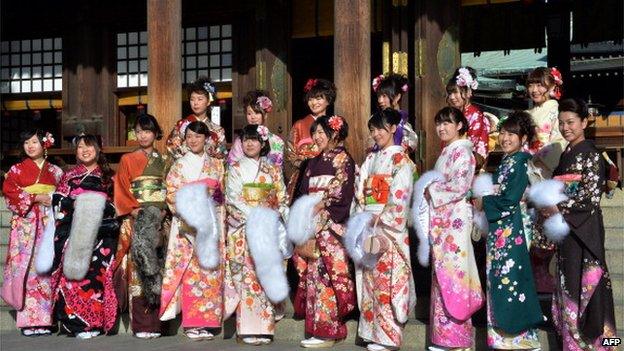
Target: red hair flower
{"x": 335, "y": 122}
{"x": 556, "y": 75}
{"x": 48, "y": 140}
{"x": 309, "y": 84}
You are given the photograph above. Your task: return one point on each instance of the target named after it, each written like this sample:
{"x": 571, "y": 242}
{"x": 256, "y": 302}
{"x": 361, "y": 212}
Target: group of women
{"x": 206, "y": 233}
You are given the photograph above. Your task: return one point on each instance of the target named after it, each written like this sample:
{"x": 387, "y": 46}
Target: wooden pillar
{"x": 89, "y": 101}
{"x": 164, "y": 77}
{"x": 436, "y": 52}
{"x": 352, "y": 76}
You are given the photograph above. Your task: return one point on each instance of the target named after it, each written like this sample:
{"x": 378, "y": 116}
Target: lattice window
{"x": 132, "y": 59}
{"x": 31, "y": 65}
{"x": 207, "y": 51}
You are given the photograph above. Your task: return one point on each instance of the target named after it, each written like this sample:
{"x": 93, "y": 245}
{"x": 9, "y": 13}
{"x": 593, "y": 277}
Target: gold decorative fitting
{"x": 385, "y": 57}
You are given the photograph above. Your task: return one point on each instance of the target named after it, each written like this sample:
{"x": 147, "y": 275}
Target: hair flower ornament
{"x": 335, "y": 123}
{"x": 309, "y": 84}
{"x": 377, "y": 81}
{"x": 556, "y": 91}
{"x": 263, "y": 132}
{"x": 265, "y": 103}
{"x": 464, "y": 79}
{"x": 48, "y": 140}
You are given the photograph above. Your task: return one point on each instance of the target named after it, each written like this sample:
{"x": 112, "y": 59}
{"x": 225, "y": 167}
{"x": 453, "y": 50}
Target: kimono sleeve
{"x": 175, "y": 141}
{"x": 499, "y": 206}
{"x": 479, "y": 131}
{"x": 360, "y": 184}
{"x": 339, "y": 194}
{"x": 410, "y": 138}
{"x": 586, "y": 198}
{"x": 218, "y": 143}
{"x": 17, "y": 200}
{"x": 174, "y": 180}
{"x": 458, "y": 180}
{"x": 125, "y": 201}
{"x": 291, "y": 146}
{"x": 393, "y": 214}
{"x": 234, "y": 203}
{"x": 282, "y": 194}
{"x": 236, "y": 152}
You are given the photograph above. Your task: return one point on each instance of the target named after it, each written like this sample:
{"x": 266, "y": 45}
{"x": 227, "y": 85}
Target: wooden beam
{"x": 164, "y": 77}
{"x": 352, "y": 50}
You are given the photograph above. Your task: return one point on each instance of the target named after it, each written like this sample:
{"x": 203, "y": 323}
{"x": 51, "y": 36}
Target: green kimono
{"x": 512, "y": 296}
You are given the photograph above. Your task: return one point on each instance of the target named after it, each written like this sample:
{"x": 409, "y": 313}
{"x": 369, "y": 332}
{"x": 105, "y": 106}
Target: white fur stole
{"x": 358, "y": 229}
{"x": 549, "y": 193}
{"x": 301, "y": 220}
{"x": 45, "y": 252}
{"x": 420, "y": 213}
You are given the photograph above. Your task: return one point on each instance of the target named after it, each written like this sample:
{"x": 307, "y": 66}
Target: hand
{"x": 135, "y": 212}
{"x": 43, "y": 199}
{"x": 496, "y": 189}
{"x": 477, "y": 202}
{"x": 318, "y": 207}
{"x": 547, "y": 212}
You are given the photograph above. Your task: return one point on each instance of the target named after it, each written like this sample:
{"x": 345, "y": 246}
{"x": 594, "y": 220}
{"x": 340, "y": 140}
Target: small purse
{"x": 376, "y": 244}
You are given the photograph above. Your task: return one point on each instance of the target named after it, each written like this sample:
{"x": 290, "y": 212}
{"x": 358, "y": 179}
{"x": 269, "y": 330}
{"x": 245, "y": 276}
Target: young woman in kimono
{"x": 257, "y": 106}
{"x": 320, "y": 94}
{"x": 459, "y": 91}
{"x": 583, "y": 299}
{"x": 252, "y": 182}
{"x": 455, "y": 287}
{"x": 140, "y": 201}
{"x": 202, "y": 93}
{"x": 386, "y": 291}
{"x": 389, "y": 89}
{"x": 187, "y": 287}
{"x": 513, "y": 309}
{"x": 544, "y": 89}
{"x": 325, "y": 294}
{"x": 27, "y": 190}
{"x": 85, "y": 243}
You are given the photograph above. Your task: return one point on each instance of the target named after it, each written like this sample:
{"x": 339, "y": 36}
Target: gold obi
{"x": 39, "y": 189}
{"x": 149, "y": 190}
{"x": 256, "y": 194}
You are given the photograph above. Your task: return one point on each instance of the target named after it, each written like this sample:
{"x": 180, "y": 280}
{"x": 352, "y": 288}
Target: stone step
{"x": 615, "y": 261}
{"x": 613, "y": 217}
{"x": 617, "y": 284}
{"x": 616, "y": 201}
{"x": 614, "y": 238}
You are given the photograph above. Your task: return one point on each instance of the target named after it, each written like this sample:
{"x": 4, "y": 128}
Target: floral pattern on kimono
{"x": 325, "y": 294}
{"x": 583, "y": 299}
{"x": 275, "y": 156}
{"x": 186, "y": 287}
{"x": 249, "y": 183}
{"x": 549, "y": 145}
{"x": 386, "y": 294}
{"x": 299, "y": 149}
{"x": 215, "y": 143}
{"x": 90, "y": 303}
{"x": 456, "y": 290}
{"x": 26, "y": 291}
{"x": 513, "y": 307}
{"x": 478, "y": 129}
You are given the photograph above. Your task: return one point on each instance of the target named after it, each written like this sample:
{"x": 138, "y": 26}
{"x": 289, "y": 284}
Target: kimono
{"x": 250, "y": 183}
{"x": 22, "y": 288}
{"x": 386, "y": 294}
{"x": 139, "y": 182}
{"x": 513, "y": 307}
{"x": 215, "y": 143}
{"x": 583, "y": 299}
{"x": 404, "y": 136}
{"x": 186, "y": 287}
{"x": 275, "y": 156}
{"x": 88, "y": 304}
{"x": 550, "y": 143}
{"x": 455, "y": 287}
{"x": 325, "y": 294}
{"x": 300, "y": 148}
{"x": 478, "y": 130}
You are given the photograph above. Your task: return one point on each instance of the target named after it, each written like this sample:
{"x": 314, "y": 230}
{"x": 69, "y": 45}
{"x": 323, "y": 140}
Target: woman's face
{"x": 448, "y": 131}
{"x": 318, "y": 105}
{"x": 538, "y": 93}
{"x": 383, "y": 137}
{"x": 572, "y": 127}
{"x": 253, "y": 117}
{"x": 144, "y": 137}
{"x": 321, "y": 139}
{"x": 199, "y": 103}
{"x": 86, "y": 154}
{"x": 455, "y": 99}
{"x": 195, "y": 141}
{"x": 33, "y": 147}
{"x": 252, "y": 148}
{"x": 510, "y": 142}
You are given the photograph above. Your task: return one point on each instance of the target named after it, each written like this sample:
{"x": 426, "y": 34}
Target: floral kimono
{"x": 325, "y": 294}
{"x": 186, "y": 287}
{"x": 275, "y": 156}
{"x": 139, "y": 183}
{"x": 250, "y": 183}
{"x": 386, "y": 293}
{"x": 215, "y": 143}
{"x": 300, "y": 148}
{"x": 583, "y": 299}
{"x": 455, "y": 288}
{"x": 513, "y": 307}
{"x": 90, "y": 303}
{"x": 478, "y": 129}
{"x": 22, "y": 288}
{"x": 550, "y": 143}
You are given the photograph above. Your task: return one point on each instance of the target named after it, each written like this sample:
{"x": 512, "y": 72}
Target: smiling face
{"x": 448, "y": 132}
{"x": 199, "y": 103}
{"x": 86, "y": 154}
{"x": 383, "y": 137}
{"x": 33, "y": 148}
{"x": 572, "y": 127}
{"x": 455, "y": 99}
{"x": 538, "y": 93}
{"x": 383, "y": 101}
{"x": 195, "y": 141}
{"x": 145, "y": 137}
{"x": 510, "y": 142}
{"x": 253, "y": 117}
{"x": 321, "y": 139}
{"x": 252, "y": 148}
{"x": 318, "y": 105}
